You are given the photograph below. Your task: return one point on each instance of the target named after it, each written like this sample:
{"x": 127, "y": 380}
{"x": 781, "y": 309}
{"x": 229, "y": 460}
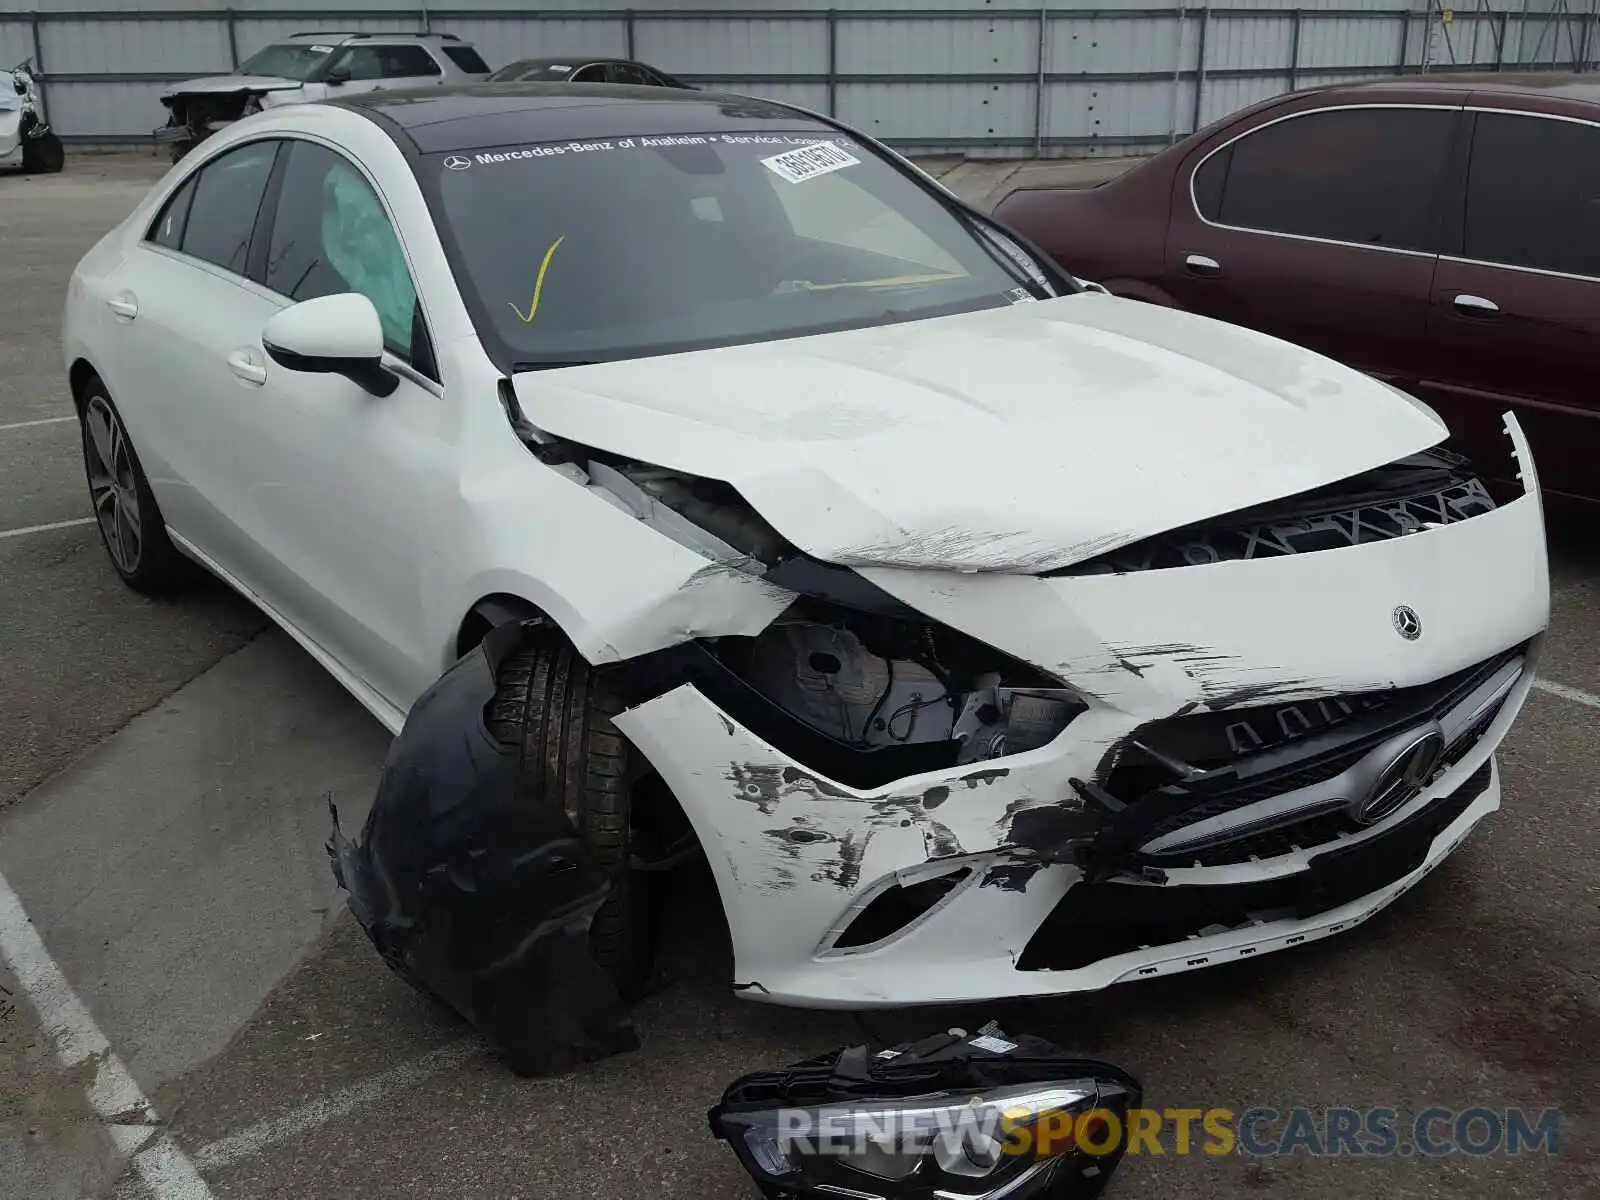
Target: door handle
{"x": 245, "y": 365}
{"x": 1475, "y": 306}
{"x": 1201, "y": 264}
{"x": 124, "y": 306}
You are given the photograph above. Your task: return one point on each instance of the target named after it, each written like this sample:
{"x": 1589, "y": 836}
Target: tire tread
{"x": 557, "y": 709}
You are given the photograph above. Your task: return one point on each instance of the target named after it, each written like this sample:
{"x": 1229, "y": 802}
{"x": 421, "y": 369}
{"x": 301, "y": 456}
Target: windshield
{"x": 585, "y": 251}
{"x": 288, "y": 60}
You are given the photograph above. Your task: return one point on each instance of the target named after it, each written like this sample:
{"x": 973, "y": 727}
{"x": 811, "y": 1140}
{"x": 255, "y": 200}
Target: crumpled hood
{"x": 1018, "y": 439}
{"x": 211, "y": 84}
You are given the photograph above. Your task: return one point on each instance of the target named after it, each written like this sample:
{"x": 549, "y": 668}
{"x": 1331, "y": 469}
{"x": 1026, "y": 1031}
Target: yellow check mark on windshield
{"x": 538, "y": 284}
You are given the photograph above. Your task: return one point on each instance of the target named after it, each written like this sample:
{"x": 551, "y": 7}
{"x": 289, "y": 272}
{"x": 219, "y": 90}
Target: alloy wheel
{"x": 113, "y": 487}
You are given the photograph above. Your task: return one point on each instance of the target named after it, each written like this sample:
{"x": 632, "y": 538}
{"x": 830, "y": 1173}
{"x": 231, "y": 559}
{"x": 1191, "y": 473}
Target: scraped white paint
{"x": 131, "y": 1120}
{"x": 323, "y": 1109}
{"x": 1576, "y": 695}
{"x": 36, "y": 424}
{"x": 27, "y": 529}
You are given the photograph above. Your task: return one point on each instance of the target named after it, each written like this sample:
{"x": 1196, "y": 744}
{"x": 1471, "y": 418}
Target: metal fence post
{"x": 1294, "y": 48}
{"x": 1200, "y": 65}
{"x": 1038, "y": 84}
{"x": 1177, "y": 76}
{"x": 628, "y": 33}
{"x": 1405, "y": 39}
{"x": 233, "y": 40}
{"x": 833, "y": 62}
{"x": 1500, "y": 43}
{"x": 38, "y": 65}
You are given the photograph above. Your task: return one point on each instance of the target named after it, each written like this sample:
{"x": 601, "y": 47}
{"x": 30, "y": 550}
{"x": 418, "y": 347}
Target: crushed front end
{"x": 924, "y": 787}
{"x": 192, "y": 117}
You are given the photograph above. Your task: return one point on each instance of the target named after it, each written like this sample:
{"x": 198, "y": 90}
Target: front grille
{"x": 1422, "y": 492}
{"x": 1094, "y": 921}
{"x": 1236, "y": 771}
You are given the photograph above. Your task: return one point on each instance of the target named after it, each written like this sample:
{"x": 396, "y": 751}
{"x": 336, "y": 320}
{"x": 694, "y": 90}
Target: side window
{"x": 590, "y": 74}
{"x": 467, "y": 59}
{"x": 405, "y": 62}
{"x": 227, "y": 197}
{"x": 358, "y": 63}
{"x": 1210, "y": 181}
{"x": 1533, "y": 194}
{"x": 628, "y": 73}
{"x": 167, "y": 229}
{"x": 331, "y": 234}
{"x": 1368, "y": 176}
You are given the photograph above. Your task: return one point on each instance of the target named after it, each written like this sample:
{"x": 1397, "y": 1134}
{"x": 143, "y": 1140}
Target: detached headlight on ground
{"x": 948, "y": 1118}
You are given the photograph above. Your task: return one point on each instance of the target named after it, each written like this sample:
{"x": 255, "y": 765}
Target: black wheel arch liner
{"x": 477, "y": 895}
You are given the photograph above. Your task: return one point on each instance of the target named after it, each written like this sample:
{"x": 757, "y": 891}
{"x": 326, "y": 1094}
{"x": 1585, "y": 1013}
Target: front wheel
{"x": 557, "y": 710}
{"x": 43, "y": 155}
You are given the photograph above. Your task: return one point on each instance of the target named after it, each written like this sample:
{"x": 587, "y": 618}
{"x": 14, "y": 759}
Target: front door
{"x": 342, "y": 487}
{"x": 369, "y": 66}
{"x": 1319, "y": 228}
{"x": 1515, "y": 315}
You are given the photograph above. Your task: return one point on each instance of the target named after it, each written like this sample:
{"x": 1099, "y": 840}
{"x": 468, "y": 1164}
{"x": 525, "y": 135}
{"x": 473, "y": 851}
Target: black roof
{"x": 562, "y": 64}
{"x": 477, "y": 116}
{"x": 1566, "y": 85}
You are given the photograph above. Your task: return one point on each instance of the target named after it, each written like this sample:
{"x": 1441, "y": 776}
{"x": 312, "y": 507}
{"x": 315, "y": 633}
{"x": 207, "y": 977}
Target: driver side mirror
{"x": 339, "y": 76}
{"x": 331, "y": 335}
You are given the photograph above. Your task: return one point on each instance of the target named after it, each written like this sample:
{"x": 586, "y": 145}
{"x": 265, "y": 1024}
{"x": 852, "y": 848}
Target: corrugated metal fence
{"x": 999, "y": 81}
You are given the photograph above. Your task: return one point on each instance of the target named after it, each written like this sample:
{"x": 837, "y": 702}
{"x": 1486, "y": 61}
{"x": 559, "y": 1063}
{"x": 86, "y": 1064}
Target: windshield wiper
{"x": 995, "y": 243}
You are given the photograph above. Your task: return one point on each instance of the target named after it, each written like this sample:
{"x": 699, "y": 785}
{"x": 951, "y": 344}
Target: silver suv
{"x": 311, "y": 66}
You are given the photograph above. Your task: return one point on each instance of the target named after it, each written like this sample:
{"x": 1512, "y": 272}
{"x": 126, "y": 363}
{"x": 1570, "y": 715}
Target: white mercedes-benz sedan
{"x": 990, "y": 635}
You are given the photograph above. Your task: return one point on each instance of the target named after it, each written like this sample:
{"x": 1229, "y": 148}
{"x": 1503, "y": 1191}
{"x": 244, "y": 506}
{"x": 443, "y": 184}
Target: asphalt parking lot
{"x": 165, "y": 769}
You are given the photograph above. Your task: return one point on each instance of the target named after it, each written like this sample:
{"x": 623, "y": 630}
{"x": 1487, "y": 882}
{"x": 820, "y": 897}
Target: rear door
{"x": 1320, "y": 227}
{"x": 182, "y": 335}
{"x": 1515, "y": 314}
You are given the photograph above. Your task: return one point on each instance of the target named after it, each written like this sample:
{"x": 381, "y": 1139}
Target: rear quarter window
{"x": 466, "y": 59}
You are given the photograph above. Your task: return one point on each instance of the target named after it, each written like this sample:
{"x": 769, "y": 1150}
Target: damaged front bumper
{"x": 1363, "y": 755}
{"x": 803, "y": 863}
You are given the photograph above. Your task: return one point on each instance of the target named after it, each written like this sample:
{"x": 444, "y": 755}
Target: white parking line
{"x": 1567, "y": 693}
{"x": 323, "y": 1109}
{"x": 130, "y": 1119}
{"x": 36, "y": 424}
{"x": 27, "y": 529}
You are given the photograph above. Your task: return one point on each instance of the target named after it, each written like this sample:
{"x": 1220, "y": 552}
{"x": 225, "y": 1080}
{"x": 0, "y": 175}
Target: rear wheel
{"x": 557, "y": 709}
{"x": 43, "y": 155}
{"x": 131, "y": 525}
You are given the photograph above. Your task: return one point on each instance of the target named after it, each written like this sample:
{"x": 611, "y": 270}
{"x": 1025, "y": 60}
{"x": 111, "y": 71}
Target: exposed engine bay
{"x": 868, "y": 672}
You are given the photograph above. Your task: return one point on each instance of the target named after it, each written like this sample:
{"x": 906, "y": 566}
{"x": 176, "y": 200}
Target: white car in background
{"x": 25, "y": 137}
{"x": 993, "y": 636}
{"x": 311, "y": 66}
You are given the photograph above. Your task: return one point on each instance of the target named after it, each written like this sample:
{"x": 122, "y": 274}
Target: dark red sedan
{"x": 1441, "y": 233}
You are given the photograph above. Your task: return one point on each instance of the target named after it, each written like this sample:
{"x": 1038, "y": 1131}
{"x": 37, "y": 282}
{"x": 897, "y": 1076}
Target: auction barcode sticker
{"x": 807, "y": 162}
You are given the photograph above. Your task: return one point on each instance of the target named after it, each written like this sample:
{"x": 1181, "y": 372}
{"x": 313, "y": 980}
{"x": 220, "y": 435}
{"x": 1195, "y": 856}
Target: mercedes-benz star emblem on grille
{"x": 1398, "y": 783}
{"x": 1407, "y": 624}
{"x": 457, "y": 163}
